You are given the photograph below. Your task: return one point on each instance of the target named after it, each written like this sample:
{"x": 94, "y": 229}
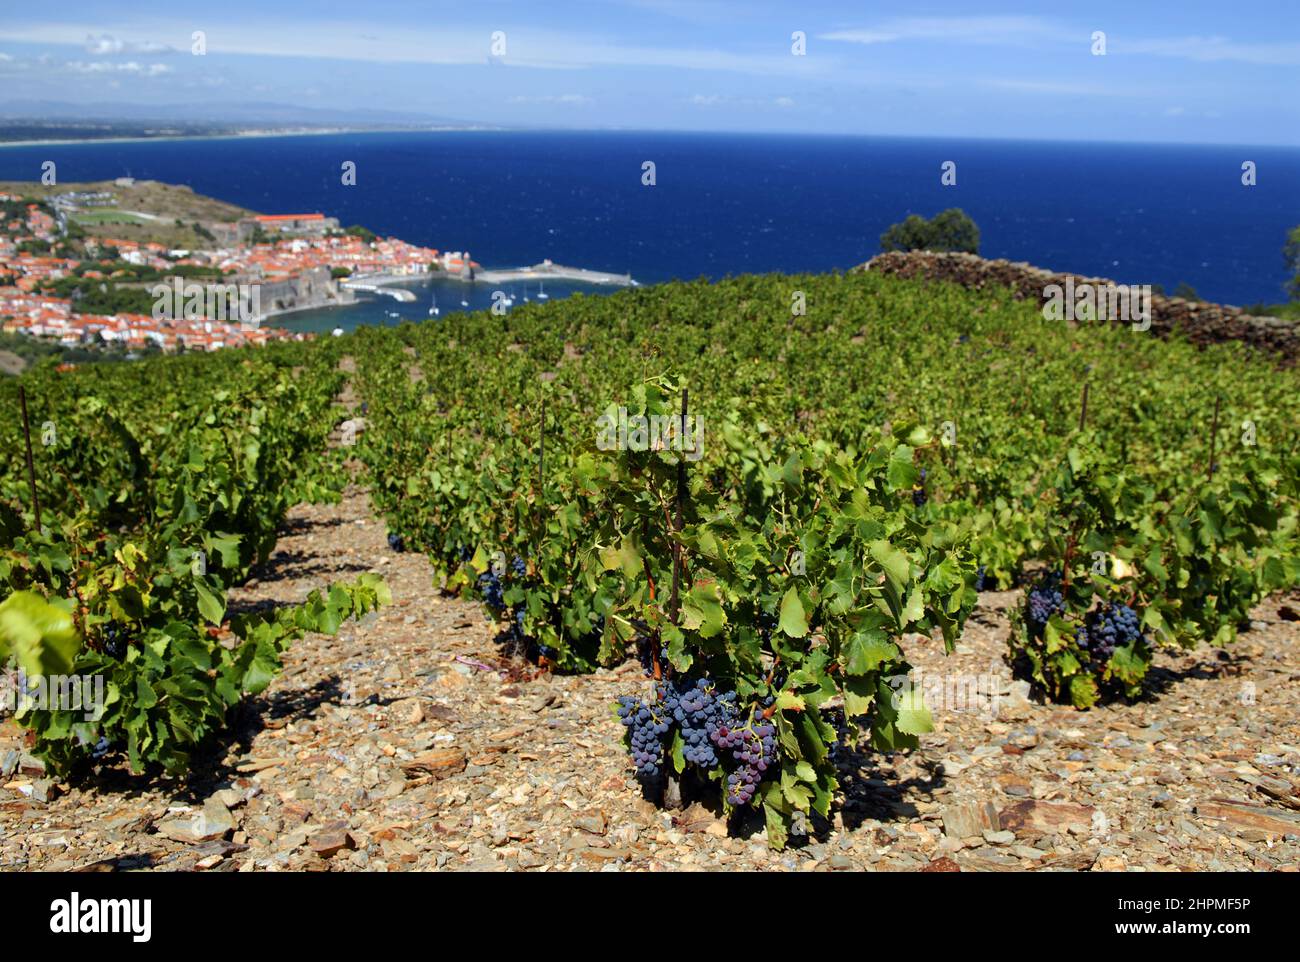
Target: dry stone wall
{"x": 1201, "y": 323}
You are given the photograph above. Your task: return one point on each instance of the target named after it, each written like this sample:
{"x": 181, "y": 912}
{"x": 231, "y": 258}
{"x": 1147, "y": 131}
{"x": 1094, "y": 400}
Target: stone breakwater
{"x": 1200, "y": 323}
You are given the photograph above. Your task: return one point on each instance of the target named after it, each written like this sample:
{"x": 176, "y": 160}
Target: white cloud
{"x": 131, "y": 67}
{"x": 969, "y": 30}
{"x": 570, "y": 100}
{"x": 107, "y": 45}
{"x": 379, "y": 42}
{"x": 722, "y": 100}
{"x": 1063, "y": 88}
{"x": 860, "y": 36}
{"x": 1029, "y": 30}
{"x": 99, "y": 46}
{"x": 1213, "y": 49}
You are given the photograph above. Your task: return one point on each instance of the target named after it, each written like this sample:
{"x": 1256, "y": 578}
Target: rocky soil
{"x": 406, "y": 743}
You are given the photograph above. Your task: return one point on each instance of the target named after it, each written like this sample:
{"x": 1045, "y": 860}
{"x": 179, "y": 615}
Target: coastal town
{"x": 66, "y": 279}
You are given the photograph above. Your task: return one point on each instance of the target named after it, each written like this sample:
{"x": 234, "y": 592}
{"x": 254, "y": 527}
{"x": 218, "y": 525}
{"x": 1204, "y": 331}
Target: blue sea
{"x": 730, "y": 204}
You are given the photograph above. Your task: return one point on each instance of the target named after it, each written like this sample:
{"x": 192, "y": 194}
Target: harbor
{"x": 456, "y": 284}
{"x": 444, "y": 292}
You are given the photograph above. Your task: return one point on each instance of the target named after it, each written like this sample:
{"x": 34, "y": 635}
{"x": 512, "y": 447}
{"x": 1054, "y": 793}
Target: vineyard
{"x": 730, "y": 526}
{"x": 160, "y": 486}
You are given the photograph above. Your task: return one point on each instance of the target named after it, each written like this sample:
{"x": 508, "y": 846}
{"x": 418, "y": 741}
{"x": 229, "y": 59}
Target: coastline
{"x": 330, "y": 306}
{"x": 241, "y": 135}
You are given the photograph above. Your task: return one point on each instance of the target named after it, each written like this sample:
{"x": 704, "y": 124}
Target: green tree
{"x": 1186, "y": 291}
{"x": 910, "y": 235}
{"x": 949, "y": 230}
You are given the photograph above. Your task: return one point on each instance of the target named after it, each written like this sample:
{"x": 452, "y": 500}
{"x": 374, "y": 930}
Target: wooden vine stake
{"x": 31, "y": 467}
{"x": 1072, "y": 542}
{"x": 673, "y": 784}
{"x": 679, "y": 499}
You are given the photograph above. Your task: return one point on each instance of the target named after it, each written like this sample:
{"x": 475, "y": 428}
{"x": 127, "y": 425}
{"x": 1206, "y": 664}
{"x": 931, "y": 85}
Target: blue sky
{"x": 1204, "y": 72}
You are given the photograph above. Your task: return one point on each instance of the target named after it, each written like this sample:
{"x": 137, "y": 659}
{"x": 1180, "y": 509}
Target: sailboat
{"x": 541, "y": 291}
{"x": 464, "y": 303}
{"x": 433, "y": 307}
{"x": 525, "y": 293}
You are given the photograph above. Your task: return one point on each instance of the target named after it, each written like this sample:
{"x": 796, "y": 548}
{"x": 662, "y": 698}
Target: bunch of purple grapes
{"x": 1044, "y": 600}
{"x": 648, "y": 728}
{"x": 490, "y": 584}
{"x": 115, "y": 641}
{"x": 1111, "y": 626}
{"x": 918, "y": 492}
{"x": 751, "y": 739}
{"x": 708, "y": 719}
{"x": 396, "y": 543}
{"x": 696, "y": 709}
{"x": 1081, "y": 636}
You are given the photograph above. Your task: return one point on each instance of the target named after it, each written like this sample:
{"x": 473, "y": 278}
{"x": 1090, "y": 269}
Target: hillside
{"x": 879, "y": 480}
{"x": 146, "y": 211}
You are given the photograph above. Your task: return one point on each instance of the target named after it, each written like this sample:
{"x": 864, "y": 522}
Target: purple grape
{"x": 1043, "y": 600}
{"x": 1109, "y": 627}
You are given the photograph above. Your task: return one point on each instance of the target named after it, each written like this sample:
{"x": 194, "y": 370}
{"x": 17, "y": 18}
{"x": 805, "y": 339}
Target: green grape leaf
{"x": 38, "y": 635}
{"x": 913, "y": 717}
{"x": 793, "y": 620}
{"x": 211, "y": 605}
{"x": 866, "y": 650}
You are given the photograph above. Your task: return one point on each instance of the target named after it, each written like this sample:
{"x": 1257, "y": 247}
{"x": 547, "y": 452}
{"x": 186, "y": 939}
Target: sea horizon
{"x": 433, "y": 128}
{"x": 726, "y": 204}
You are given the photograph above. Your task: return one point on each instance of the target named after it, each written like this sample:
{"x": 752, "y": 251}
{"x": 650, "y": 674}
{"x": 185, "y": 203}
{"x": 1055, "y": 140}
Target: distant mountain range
{"x": 238, "y": 115}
